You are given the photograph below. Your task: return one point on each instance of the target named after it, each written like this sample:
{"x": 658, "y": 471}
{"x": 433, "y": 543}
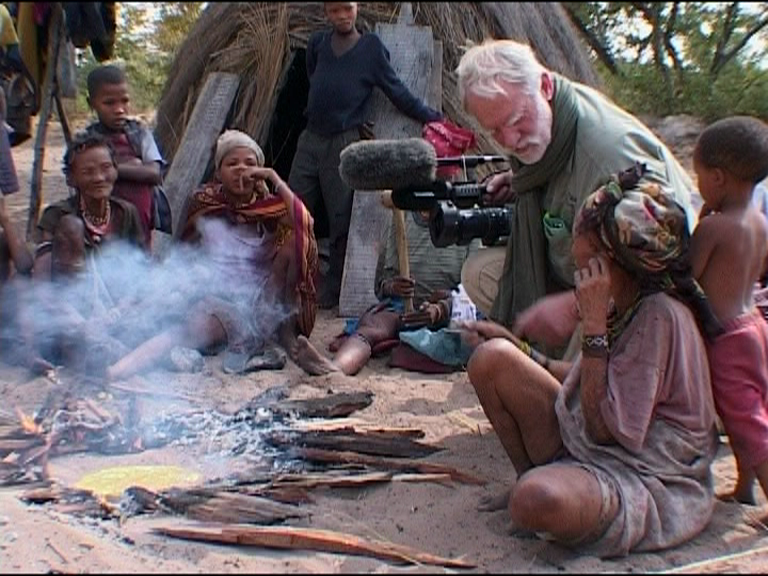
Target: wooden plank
{"x": 332, "y": 406}
{"x": 296, "y": 538}
{"x": 411, "y": 50}
{"x": 333, "y": 457}
{"x": 346, "y": 440}
{"x": 196, "y": 148}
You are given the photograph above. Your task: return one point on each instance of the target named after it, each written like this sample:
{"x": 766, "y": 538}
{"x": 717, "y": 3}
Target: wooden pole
{"x": 49, "y": 83}
{"x": 401, "y": 242}
{"x": 62, "y": 116}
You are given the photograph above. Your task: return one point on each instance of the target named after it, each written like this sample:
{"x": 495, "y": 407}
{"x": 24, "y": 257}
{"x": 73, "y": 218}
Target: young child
{"x": 729, "y": 248}
{"x": 139, "y": 163}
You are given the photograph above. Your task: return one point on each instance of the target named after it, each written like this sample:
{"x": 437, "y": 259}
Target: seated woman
{"x": 614, "y": 457}
{"x": 263, "y": 251}
{"x": 58, "y": 325}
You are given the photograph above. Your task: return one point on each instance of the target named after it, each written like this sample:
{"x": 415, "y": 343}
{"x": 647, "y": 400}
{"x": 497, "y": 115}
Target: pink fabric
{"x": 739, "y": 365}
{"x": 137, "y": 193}
{"x": 658, "y": 369}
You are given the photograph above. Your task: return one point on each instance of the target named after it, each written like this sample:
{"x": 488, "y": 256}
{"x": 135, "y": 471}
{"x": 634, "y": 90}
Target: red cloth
{"x": 137, "y": 193}
{"x": 448, "y": 139}
{"x": 738, "y": 363}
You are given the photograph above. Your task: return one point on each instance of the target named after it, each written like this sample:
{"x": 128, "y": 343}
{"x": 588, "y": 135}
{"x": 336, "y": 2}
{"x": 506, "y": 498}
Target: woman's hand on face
{"x": 256, "y": 173}
{"x": 593, "y": 292}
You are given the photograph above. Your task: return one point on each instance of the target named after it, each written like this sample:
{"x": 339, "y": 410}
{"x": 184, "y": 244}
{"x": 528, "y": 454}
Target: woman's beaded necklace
{"x": 97, "y": 225}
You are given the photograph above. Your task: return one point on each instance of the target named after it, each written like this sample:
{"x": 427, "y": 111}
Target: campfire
{"x": 276, "y": 449}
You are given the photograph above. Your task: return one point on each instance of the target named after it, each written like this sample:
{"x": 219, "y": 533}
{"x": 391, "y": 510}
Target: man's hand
{"x": 428, "y": 315}
{"x": 549, "y": 321}
{"x": 475, "y": 332}
{"x": 499, "y": 188}
{"x": 399, "y": 286}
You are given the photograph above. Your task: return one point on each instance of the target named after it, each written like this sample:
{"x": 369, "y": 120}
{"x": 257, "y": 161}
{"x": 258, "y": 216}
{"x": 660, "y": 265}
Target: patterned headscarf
{"x": 641, "y": 226}
{"x": 644, "y": 230}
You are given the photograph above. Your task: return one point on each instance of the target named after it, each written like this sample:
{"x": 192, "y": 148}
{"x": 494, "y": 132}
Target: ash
{"x": 233, "y": 440}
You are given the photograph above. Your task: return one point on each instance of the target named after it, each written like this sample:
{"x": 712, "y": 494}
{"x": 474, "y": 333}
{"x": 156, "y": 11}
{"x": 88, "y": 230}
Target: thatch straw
{"x": 255, "y": 41}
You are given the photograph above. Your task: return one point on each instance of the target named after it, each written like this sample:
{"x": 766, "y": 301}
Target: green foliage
{"x": 737, "y": 90}
{"x": 176, "y": 19}
{"x": 706, "y": 59}
{"x": 145, "y": 51}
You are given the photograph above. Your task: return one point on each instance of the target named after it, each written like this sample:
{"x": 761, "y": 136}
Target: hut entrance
{"x": 287, "y": 124}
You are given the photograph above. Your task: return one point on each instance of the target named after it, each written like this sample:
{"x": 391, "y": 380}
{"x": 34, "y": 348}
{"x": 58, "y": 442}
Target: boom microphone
{"x": 388, "y": 164}
{"x": 393, "y": 164}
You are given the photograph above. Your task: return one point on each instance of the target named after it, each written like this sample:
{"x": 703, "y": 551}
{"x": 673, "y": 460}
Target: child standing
{"x": 139, "y": 163}
{"x": 344, "y": 66}
{"x": 729, "y": 248}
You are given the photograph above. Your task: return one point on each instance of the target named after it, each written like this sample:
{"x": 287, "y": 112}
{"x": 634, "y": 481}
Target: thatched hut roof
{"x": 260, "y": 40}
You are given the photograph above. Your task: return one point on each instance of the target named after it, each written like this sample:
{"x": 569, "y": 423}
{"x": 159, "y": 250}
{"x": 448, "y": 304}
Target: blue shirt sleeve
{"x": 149, "y": 149}
{"x": 397, "y": 92}
{"x": 312, "y": 44}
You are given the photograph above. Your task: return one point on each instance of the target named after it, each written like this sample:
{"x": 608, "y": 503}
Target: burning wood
{"x": 314, "y": 454}
{"x": 350, "y": 440}
{"x": 288, "y": 452}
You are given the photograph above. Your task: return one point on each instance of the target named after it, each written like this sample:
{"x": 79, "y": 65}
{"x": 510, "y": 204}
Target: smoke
{"x": 124, "y": 297}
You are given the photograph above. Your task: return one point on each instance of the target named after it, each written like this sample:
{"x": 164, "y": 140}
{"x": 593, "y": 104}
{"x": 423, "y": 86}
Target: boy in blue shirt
{"x": 344, "y": 66}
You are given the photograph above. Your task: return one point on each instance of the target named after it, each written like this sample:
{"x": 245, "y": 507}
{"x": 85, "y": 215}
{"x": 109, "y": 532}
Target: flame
{"x": 28, "y": 423}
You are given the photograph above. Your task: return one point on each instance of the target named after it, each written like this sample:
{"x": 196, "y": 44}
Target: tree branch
{"x": 600, "y": 50}
{"x": 728, "y": 26}
{"x": 728, "y": 56}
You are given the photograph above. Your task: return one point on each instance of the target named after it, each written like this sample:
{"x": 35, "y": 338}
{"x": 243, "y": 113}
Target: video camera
{"x": 457, "y": 210}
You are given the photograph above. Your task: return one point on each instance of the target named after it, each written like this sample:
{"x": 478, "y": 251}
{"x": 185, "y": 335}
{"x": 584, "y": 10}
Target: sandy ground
{"x": 431, "y": 517}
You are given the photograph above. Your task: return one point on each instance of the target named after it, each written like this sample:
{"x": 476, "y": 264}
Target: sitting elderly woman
{"x": 615, "y": 455}
{"x": 61, "y": 318}
{"x": 262, "y": 252}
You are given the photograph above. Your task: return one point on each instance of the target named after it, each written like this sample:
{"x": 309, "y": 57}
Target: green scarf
{"x": 524, "y": 279}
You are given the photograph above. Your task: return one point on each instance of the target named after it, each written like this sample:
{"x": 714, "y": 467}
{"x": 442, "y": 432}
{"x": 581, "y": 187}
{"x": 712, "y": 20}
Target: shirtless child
{"x": 728, "y": 254}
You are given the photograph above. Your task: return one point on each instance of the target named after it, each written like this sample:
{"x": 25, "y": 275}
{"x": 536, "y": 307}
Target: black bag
{"x": 162, "y": 219}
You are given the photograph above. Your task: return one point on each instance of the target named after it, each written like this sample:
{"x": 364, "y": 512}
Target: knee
{"x": 535, "y": 502}
{"x": 483, "y": 366}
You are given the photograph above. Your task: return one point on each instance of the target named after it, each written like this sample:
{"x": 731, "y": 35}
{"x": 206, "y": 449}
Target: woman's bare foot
{"x": 310, "y": 360}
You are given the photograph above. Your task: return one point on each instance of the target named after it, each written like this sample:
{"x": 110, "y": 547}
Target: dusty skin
{"x": 432, "y": 517}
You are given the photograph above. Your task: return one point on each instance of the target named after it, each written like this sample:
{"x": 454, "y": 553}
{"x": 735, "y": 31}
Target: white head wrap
{"x": 231, "y": 139}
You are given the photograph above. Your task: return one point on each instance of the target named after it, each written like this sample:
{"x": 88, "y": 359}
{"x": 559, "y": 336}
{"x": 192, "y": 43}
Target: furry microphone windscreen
{"x": 388, "y": 164}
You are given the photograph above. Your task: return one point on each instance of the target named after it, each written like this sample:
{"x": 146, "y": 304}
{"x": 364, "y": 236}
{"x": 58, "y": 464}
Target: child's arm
{"x": 20, "y": 255}
{"x": 147, "y": 169}
{"x": 281, "y": 189}
{"x": 137, "y": 171}
{"x": 703, "y": 243}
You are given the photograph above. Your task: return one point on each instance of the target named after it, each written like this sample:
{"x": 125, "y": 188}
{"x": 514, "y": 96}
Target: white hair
{"x": 484, "y": 66}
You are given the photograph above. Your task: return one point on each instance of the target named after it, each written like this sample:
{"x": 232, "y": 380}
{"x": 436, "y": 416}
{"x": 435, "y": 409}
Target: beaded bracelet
{"x": 540, "y": 359}
{"x": 594, "y": 345}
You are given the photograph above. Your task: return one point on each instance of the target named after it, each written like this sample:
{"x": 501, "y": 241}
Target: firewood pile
{"x": 289, "y": 447}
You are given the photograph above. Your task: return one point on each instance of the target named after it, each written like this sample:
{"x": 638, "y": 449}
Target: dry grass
{"x": 255, "y": 40}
